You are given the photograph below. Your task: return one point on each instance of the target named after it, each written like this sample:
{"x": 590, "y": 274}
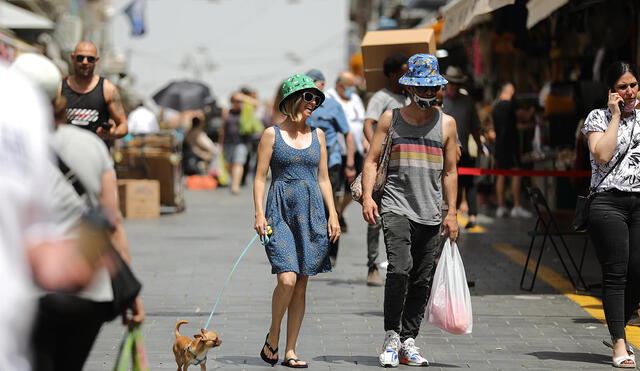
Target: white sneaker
{"x": 389, "y": 355}
{"x": 410, "y": 355}
{"x": 384, "y": 264}
{"x": 519, "y": 212}
{"x": 501, "y": 212}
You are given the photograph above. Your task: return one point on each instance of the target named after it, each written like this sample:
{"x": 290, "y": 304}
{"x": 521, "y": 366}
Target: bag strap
{"x": 70, "y": 176}
{"x": 633, "y": 128}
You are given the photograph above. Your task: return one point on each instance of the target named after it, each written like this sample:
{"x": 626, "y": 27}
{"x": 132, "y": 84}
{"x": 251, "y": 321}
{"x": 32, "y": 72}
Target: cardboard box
{"x": 378, "y": 45}
{"x": 153, "y": 163}
{"x": 139, "y": 198}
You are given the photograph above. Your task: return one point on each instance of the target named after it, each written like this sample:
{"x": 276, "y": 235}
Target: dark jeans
{"x": 373, "y": 237}
{"x": 468, "y": 183}
{"x": 64, "y": 332}
{"x": 614, "y": 228}
{"x": 336, "y": 177}
{"x": 411, "y": 250}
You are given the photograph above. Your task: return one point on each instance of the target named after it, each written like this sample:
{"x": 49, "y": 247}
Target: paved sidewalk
{"x": 184, "y": 259}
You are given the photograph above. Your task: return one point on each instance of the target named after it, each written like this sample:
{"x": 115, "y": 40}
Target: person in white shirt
{"x": 345, "y": 94}
{"x": 142, "y": 121}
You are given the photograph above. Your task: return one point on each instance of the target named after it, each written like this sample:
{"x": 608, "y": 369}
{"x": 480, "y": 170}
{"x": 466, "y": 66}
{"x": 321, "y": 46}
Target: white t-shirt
{"x": 25, "y": 194}
{"x": 142, "y": 120}
{"x": 354, "y": 110}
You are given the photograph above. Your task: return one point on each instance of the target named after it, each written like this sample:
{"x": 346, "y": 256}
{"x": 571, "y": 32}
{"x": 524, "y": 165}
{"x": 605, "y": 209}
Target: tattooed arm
{"x": 116, "y": 111}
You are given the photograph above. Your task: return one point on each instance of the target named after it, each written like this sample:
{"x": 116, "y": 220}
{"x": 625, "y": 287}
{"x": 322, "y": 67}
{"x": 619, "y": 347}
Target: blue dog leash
{"x": 264, "y": 241}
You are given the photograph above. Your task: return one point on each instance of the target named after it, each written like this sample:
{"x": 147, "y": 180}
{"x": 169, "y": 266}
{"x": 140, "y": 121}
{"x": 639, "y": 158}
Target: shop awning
{"x": 459, "y": 15}
{"x": 541, "y": 9}
{"x": 14, "y": 17}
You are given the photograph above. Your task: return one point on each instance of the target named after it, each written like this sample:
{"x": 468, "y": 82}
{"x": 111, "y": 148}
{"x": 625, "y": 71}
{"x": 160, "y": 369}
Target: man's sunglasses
{"x": 90, "y": 59}
{"x": 625, "y": 86}
{"x": 308, "y": 97}
{"x": 424, "y": 89}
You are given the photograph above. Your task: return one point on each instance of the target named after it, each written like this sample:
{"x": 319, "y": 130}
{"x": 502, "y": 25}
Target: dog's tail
{"x": 178, "y": 324}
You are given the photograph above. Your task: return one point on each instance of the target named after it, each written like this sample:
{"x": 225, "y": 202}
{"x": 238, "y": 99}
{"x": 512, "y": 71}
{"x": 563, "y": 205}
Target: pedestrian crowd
{"x": 312, "y": 143}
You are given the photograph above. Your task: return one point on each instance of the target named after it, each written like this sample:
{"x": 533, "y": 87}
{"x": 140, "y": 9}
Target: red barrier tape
{"x": 477, "y": 171}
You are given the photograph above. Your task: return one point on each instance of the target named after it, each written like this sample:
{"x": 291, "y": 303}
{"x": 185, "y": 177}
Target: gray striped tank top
{"x": 414, "y": 178}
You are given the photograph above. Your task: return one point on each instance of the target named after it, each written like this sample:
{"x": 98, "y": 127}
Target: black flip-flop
{"x": 263, "y": 355}
{"x": 287, "y": 362}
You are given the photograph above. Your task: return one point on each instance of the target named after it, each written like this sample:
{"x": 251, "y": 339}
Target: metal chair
{"x": 547, "y": 228}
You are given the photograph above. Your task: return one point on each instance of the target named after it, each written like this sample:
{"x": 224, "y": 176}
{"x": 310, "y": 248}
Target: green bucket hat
{"x": 298, "y": 83}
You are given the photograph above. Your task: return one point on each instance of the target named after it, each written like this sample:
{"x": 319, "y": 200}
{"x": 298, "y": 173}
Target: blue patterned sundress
{"x": 295, "y": 210}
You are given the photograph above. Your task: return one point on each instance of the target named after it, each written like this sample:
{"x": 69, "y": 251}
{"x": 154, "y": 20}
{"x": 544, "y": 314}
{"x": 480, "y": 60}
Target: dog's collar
{"x": 195, "y": 357}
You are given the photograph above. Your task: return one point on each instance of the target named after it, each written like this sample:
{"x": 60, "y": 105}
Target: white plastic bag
{"x": 449, "y": 306}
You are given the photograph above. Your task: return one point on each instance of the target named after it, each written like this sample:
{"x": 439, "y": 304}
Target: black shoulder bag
{"x": 581, "y": 218}
{"x": 124, "y": 283}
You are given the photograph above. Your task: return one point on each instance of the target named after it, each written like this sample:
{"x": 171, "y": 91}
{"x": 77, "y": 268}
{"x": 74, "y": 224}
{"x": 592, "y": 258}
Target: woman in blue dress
{"x": 300, "y": 190}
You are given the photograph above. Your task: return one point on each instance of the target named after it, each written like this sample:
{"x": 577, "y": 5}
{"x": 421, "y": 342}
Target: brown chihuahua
{"x": 193, "y": 352}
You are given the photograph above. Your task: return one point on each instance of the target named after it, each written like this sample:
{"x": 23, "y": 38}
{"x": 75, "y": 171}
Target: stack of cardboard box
{"x": 154, "y": 156}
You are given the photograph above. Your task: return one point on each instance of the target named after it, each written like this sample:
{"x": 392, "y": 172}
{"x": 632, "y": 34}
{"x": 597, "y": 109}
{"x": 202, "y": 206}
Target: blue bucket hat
{"x": 422, "y": 71}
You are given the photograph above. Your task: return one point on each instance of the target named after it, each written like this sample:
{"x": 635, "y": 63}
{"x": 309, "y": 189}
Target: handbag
{"x": 381, "y": 175}
{"x": 583, "y": 203}
{"x": 125, "y": 285}
{"x": 132, "y": 351}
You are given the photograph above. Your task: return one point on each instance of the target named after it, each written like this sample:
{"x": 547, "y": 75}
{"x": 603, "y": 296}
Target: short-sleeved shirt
{"x": 626, "y": 176}
{"x": 384, "y": 100}
{"x": 354, "y": 111}
{"x": 464, "y": 112}
{"x": 331, "y": 119}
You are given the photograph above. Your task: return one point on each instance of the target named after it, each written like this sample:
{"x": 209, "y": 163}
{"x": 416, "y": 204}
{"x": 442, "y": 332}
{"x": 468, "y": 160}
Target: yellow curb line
{"x": 462, "y": 221}
{"x": 590, "y": 304}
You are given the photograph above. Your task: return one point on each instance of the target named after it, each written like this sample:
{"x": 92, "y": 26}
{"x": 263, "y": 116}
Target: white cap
{"x": 41, "y": 71}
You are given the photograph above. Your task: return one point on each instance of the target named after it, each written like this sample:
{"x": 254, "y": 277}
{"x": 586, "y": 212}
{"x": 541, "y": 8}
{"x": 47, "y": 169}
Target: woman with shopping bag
{"x": 422, "y": 159}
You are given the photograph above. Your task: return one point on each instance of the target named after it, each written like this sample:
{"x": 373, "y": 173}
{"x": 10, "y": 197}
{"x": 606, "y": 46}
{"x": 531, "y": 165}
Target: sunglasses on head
{"x": 90, "y": 58}
{"x": 625, "y": 86}
{"x": 308, "y": 97}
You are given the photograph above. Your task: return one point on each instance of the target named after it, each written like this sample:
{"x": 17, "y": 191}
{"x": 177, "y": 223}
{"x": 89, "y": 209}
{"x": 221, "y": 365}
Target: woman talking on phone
{"x": 614, "y": 214}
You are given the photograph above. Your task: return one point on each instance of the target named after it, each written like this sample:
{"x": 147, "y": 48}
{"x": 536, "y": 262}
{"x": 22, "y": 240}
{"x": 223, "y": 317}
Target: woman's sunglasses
{"x": 625, "y": 86}
{"x": 90, "y": 59}
{"x": 309, "y": 97}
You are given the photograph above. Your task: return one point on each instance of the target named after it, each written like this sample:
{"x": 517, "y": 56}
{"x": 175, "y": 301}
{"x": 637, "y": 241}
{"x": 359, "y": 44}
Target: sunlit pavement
{"x": 184, "y": 259}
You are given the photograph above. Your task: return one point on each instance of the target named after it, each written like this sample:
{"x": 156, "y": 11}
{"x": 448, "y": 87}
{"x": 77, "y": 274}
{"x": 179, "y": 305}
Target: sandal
{"x": 628, "y": 361}
{"x": 263, "y": 355}
{"x": 288, "y": 363}
{"x": 624, "y": 362}
{"x": 629, "y": 348}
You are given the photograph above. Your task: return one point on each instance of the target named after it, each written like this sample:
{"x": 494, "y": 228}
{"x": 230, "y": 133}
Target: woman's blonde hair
{"x": 290, "y": 108}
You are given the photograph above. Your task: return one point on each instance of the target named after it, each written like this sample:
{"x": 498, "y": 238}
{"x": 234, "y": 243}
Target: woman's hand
{"x": 261, "y": 226}
{"x": 614, "y": 103}
{"x": 137, "y": 314}
{"x": 370, "y": 211}
{"x": 334, "y": 228}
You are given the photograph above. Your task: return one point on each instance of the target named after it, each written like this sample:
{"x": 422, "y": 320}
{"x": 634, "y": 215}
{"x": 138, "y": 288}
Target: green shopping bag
{"x": 223, "y": 173}
{"x": 249, "y": 122}
{"x": 132, "y": 352}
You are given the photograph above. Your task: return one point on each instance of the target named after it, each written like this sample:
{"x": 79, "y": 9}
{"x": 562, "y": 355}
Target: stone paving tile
{"x": 183, "y": 260}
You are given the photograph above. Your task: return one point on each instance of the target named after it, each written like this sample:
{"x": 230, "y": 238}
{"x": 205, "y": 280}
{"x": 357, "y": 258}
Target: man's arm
{"x": 450, "y": 176}
{"x": 116, "y": 111}
{"x": 370, "y": 169}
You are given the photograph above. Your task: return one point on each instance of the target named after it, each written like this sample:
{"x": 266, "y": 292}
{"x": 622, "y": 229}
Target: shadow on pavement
{"x": 586, "y": 320}
{"x": 341, "y": 282}
{"x": 239, "y": 360}
{"x": 573, "y": 357}
{"x": 177, "y": 314}
{"x": 376, "y": 313}
{"x": 357, "y": 360}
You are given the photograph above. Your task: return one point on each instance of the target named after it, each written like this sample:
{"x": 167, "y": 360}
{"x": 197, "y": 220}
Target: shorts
{"x": 236, "y": 153}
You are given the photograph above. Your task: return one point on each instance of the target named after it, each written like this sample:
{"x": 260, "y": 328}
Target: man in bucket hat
{"x": 422, "y": 161}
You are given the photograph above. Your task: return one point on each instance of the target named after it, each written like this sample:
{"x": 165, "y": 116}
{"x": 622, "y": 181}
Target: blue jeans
{"x": 614, "y": 228}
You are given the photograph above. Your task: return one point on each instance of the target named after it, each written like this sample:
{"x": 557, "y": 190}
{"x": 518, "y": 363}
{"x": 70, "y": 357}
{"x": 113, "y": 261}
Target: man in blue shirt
{"x": 331, "y": 119}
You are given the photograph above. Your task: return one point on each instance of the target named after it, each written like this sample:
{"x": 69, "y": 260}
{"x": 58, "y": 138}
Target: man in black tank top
{"x": 92, "y": 100}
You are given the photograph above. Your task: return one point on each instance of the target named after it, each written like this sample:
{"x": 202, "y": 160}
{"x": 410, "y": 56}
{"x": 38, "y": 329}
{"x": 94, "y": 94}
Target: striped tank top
{"x": 414, "y": 179}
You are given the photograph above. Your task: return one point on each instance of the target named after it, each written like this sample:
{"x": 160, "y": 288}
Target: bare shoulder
{"x": 320, "y": 133}
{"x": 269, "y": 135}
{"x": 385, "y": 120}
{"x": 109, "y": 89}
{"x": 448, "y": 123}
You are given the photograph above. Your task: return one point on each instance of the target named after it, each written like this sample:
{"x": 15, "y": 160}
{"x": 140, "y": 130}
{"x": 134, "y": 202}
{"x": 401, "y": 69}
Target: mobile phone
{"x": 105, "y": 126}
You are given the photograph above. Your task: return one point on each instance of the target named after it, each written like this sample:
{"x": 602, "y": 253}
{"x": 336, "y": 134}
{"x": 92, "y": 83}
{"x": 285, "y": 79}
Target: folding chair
{"x": 547, "y": 228}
